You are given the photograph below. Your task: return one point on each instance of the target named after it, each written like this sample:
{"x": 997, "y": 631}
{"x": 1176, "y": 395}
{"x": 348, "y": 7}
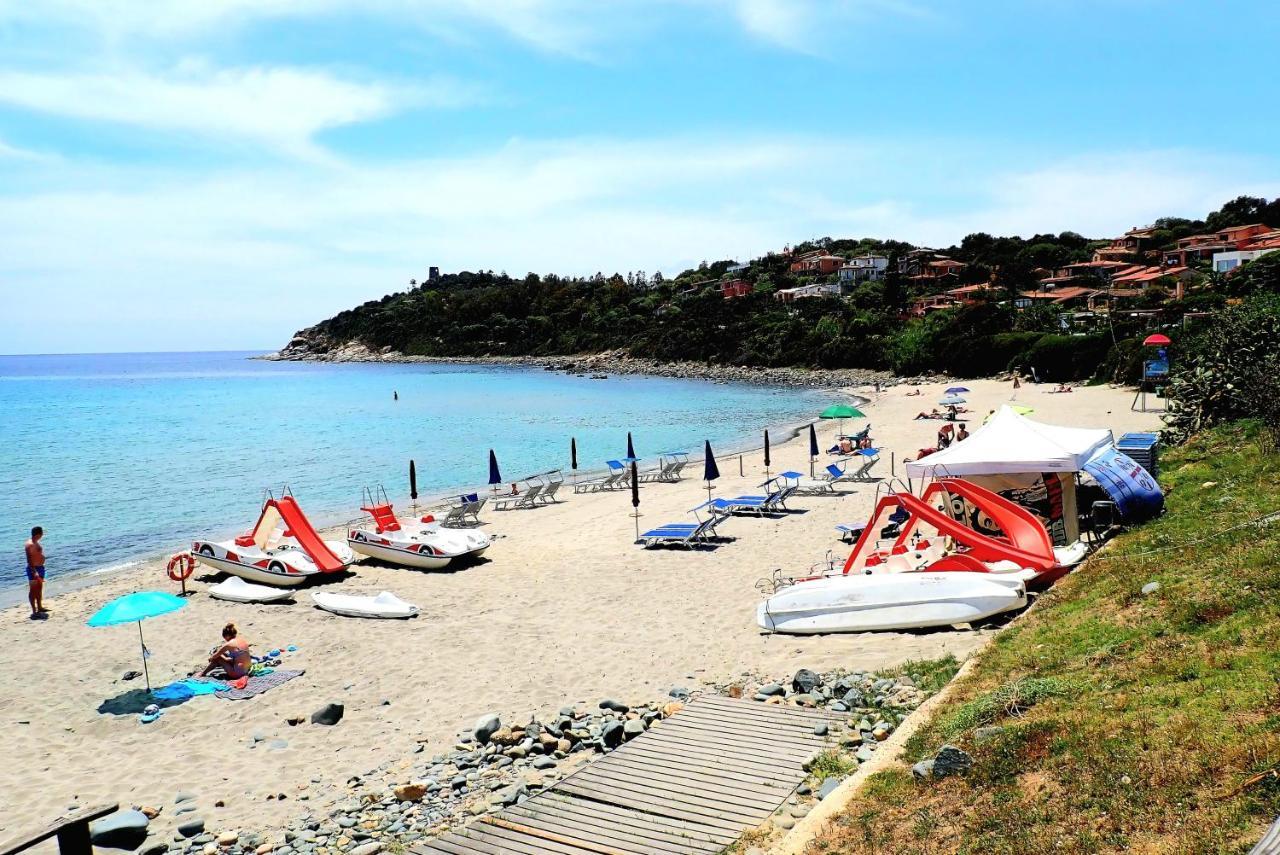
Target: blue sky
{"x": 207, "y": 174}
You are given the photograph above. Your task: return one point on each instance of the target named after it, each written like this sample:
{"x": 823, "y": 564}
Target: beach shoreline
{"x": 564, "y": 608}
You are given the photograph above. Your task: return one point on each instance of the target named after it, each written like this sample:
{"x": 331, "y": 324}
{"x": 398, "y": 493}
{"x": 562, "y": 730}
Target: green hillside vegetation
{"x": 1128, "y": 722}
{"x": 686, "y": 317}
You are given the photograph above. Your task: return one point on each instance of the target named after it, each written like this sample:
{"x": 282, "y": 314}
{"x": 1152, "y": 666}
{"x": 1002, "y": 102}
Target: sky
{"x": 216, "y": 174}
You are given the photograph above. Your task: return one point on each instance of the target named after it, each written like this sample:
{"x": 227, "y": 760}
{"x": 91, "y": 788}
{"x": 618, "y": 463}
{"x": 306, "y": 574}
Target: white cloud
{"x": 283, "y": 108}
{"x": 127, "y": 253}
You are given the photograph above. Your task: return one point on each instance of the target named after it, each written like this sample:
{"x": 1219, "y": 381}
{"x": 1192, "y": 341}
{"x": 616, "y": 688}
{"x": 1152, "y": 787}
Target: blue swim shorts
{"x": 34, "y": 573}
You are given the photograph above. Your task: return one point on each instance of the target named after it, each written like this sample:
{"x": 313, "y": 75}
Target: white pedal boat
{"x": 283, "y": 549}
{"x": 858, "y": 603}
{"x": 384, "y": 605}
{"x": 413, "y": 544}
{"x": 237, "y": 590}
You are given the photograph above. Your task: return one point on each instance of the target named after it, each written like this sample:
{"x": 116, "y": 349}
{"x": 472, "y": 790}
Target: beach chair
{"x": 803, "y": 486}
{"x": 463, "y": 507}
{"x": 555, "y": 481}
{"x": 597, "y": 484}
{"x": 758, "y": 505}
{"x": 674, "y": 474}
{"x": 676, "y": 534}
{"x": 850, "y": 532}
{"x": 871, "y": 456}
{"x": 527, "y": 499}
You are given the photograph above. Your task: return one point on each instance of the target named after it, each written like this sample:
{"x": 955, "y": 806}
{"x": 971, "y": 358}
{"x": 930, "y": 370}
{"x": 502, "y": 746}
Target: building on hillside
{"x": 1106, "y": 301}
{"x": 864, "y": 268}
{"x": 803, "y": 292}
{"x": 736, "y": 268}
{"x": 819, "y": 262}
{"x": 730, "y": 288}
{"x": 1136, "y": 241}
{"x": 1203, "y": 247}
{"x": 1067, "y": 297}
{"x": 1142, "y": 277}
{"x": 1256, "y": 246}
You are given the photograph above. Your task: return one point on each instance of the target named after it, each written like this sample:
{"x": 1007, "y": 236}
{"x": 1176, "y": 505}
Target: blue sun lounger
{"x": 685, "y": 534}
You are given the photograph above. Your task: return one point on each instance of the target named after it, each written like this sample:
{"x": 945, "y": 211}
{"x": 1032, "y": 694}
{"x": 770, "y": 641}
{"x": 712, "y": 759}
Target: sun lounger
{"x": 463, "y": 507}
{"x": 687, "y": 534}
{"x": 871, "y": 456}
{"x": 803, "y": 486}
{"x": 850, "y": 532}
{"x": 555, "y": 481}
{"x": 759, "y": 505}
{"x": 527, "y": 499}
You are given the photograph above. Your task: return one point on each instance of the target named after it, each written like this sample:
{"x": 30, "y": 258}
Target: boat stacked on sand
{"x": 424, "y": 543}
{"x": 899, "y": 576}
{"x": 282, "y": 549}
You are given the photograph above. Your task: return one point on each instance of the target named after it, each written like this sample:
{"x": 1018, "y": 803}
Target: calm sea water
{"x": 126, "y": 456}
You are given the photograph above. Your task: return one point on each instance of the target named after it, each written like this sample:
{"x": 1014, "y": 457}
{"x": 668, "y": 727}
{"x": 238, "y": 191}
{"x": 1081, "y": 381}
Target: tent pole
{"x": 146, "y": 671}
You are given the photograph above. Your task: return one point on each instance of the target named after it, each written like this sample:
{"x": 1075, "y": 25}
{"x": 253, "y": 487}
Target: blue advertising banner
{"x": 1135, "y": 492}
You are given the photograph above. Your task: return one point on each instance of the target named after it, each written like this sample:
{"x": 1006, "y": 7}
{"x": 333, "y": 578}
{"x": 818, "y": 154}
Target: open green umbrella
{"x": 841, "y": 412}
{"x": 135, "y": 608}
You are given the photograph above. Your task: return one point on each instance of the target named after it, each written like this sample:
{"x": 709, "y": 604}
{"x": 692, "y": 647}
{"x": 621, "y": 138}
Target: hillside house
{"x": 1204, "y": 247}
{"x": 731, "y": 288}
{"x": 804, "y": 292}
{"x": 818, "y": 262}
{"x": 1133, "y": 242}
{"x": 864, "y": 268}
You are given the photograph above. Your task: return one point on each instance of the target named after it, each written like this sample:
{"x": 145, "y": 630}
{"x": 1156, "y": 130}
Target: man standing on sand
{"x": 35, "y": 573}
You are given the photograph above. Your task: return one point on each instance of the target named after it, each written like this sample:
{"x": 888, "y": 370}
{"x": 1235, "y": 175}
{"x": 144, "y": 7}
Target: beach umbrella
{"x": 573, "y": 453}
{"x": 631, "y": 449}
{"x": 952, "y": 401}
{"x": 766, "y": 455}
{"x": 135, "y": 608}
{"x": 413, "y": 481}
{"x": 813, "y": 447}
{"x": 957, "y": 390}
{"x": 635, "y": 497}
{"x": 495, "y": 476}
{"x": 710, "y": 471}
{"x": 1156, "y": 340}
{"x": 841, "y": 412}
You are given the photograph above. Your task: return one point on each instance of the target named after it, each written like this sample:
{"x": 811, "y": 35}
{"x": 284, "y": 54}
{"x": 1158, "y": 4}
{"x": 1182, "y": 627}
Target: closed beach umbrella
{"x": 635, "y": 497}
{"x": 631, "y": 449}
{"x": 573, "y": 453}
{"x": 413, "y": 481}
{"x": 766, "y": 454}
{"x": 813, "y": 447}
{"x": 710, "y": 471}
{"x": 841, "y": 412}
{"x": 135, "y": 608}
{"x": 495, "y": 476}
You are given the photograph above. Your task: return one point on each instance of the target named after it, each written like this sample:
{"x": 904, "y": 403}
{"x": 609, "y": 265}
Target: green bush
{"x": 1059, "y": 358}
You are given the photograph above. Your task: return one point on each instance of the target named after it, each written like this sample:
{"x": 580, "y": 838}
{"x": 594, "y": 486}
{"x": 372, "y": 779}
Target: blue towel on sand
{"x": 181, "y": 690}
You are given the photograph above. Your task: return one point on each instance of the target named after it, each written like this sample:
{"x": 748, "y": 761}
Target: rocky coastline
{"x": 305, "y": 348}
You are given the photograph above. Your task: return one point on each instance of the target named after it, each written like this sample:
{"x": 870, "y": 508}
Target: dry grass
{"x": 1130, "y": 723}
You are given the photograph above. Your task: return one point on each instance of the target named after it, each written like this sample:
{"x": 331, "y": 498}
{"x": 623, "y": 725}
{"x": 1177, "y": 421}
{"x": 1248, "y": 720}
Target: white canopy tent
{"x": 1011, "y": 451}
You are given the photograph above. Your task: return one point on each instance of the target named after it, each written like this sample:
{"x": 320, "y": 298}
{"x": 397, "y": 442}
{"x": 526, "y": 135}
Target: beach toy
{"x": 292, "y": 648}
{"x": 150, "y": 714}
{"x": 271, "y": 654}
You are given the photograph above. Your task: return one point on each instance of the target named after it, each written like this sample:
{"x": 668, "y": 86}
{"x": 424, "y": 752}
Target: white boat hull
{"x": 237, "y": 590}
{"x": 283, "y": 568}
{"x": 887, "y": 602}
{"x": 385, "y": 605}
{"x": 424, "y": 546}
{"x": 399, "y": 555}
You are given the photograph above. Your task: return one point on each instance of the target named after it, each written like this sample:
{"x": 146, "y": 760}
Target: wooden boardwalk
{"x": 691, "y": 784}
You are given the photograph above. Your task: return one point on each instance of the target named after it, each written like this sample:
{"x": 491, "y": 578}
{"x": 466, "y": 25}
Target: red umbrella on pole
{"x": 1156, "y": 340}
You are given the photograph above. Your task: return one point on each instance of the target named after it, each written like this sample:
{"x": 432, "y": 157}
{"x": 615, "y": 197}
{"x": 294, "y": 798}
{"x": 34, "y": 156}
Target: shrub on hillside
{"x": 1059, "y": 358}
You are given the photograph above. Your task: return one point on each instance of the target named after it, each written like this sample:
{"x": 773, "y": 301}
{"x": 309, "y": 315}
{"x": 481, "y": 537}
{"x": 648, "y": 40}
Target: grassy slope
{"x": 1131, "y": 722}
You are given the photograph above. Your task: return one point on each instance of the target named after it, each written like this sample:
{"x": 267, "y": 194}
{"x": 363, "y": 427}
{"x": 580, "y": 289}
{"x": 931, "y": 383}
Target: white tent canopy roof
{"x": 1011, "y": 444}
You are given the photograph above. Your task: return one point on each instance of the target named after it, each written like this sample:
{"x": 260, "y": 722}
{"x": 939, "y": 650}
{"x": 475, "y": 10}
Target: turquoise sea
{"x": 126, "y": 456}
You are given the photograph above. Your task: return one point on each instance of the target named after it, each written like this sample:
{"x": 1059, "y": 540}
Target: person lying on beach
{"x": 932, "y": 414}
{"x": 231, "y": 657}
{"x": 846, "y": 445}
{"x": 914, "y": 394}
{"x": 1062, "y": 388}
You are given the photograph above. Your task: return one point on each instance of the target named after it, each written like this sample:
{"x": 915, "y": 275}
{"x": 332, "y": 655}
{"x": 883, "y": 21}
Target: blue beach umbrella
{"x": 495, "y": 477}
{"x": 710, "y": 471}
{"x": 135, "y": 608}
{"x": 957, "y": 390}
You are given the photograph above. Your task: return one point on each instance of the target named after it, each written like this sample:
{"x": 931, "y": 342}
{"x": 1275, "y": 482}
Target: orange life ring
{"x": 181, "y": 566}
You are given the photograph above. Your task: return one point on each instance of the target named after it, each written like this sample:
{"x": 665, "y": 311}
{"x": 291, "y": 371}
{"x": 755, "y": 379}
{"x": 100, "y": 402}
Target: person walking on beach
{"x": 35, "y": 573}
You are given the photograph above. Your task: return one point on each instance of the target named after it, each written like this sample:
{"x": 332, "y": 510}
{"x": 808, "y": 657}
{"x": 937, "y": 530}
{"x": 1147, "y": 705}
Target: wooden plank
{"x": 667, "y": 802}
{"x": 682, "y": 790}
{"x": 739, "y": 712}
{"x": 640, "y": 802}
{"x": 612, "y": 813}
{"x": 577, "y": 828}
{"x": 779, "y": 712}
{"x": 538, "y": 840}
{"x": 700, "y": 775}
{"x": 803, "y": 737}
{"x": 652, "y": 830}
{"x": 749, "y": 742}
{"x": 711, "y": 753}
{"x": 738, "y": 748}
{"x": 450, "y": 843}
{"x": 713, "y": 762}
{"x": 492, "y": 844}
{"x": 71, "y": 829}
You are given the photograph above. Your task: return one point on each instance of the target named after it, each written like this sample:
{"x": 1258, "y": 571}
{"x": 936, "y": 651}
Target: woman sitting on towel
{"x": 232, "y": 657}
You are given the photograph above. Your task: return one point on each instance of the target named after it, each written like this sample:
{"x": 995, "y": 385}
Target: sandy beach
{"x": 564, "y": 608}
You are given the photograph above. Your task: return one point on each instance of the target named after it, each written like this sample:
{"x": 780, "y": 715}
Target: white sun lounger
{"x": 527, "y": 499}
